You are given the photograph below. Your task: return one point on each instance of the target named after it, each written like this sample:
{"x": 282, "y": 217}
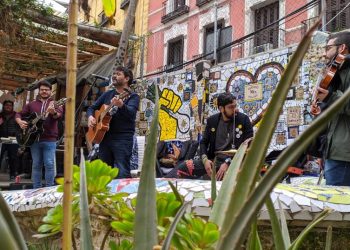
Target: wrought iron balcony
{"x": 124, "y": 4}
{"x": 173, "y": 9}
{"x": 199, "y": 3}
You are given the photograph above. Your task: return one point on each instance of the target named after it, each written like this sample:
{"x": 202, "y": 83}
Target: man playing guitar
{"x": 337, "y": 151}
{"x": 44, "y": 150}
{"x": 116, "y": 146}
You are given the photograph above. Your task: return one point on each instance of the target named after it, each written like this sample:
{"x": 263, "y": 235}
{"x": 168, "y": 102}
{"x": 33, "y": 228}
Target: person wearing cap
{"x": 43, "y": 151}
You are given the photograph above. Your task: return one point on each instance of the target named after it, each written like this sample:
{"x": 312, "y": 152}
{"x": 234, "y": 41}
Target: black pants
{"x": 13, "y": 158}
{"x": 185, "y": 172}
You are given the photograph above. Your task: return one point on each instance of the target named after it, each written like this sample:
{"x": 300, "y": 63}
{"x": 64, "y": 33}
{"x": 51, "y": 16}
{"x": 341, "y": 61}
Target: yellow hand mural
{"x": 169, "y": 102}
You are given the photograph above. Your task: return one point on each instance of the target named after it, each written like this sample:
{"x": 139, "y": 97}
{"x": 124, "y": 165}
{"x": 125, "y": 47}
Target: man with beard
{"x": 224, "y": 131}
{"x": 44, "y": 150}
{"x": 337, "y": 150}
{"x": 116, "y": 146}
{"x": 9, "y": 128}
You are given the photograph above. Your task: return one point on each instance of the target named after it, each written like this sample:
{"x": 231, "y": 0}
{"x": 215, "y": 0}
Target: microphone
{"x": 100, "y": 77}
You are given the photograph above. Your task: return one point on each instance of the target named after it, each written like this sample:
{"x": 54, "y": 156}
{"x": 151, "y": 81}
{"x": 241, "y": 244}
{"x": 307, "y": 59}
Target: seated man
{"x": 172, "y": 153}
{"x": 224, "y": 131}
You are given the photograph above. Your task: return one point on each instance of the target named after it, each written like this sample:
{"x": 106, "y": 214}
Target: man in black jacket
{"x": 224, "y": 131}
{"x": 9, "y": 128}
{"x": 337, "y": 146}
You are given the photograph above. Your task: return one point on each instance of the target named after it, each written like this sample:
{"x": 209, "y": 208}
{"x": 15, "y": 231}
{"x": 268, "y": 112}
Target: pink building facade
{"x": 182, "y": 30}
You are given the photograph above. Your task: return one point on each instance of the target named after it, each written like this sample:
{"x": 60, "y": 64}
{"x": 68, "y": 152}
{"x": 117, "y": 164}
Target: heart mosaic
{"x": 254, "y": 91}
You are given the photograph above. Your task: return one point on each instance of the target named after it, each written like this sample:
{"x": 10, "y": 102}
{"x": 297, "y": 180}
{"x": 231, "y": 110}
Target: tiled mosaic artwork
{"x": 302, "y": 200}
{"x": 186, "y": 102}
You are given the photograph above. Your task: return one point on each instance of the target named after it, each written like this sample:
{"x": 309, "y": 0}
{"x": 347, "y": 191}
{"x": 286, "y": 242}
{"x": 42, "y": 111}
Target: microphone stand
{"x": 78, "y": 111}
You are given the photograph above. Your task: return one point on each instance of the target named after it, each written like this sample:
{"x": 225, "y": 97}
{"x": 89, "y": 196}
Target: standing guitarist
{"x": 116, "y": 146}
{"x": 44, "y": 150}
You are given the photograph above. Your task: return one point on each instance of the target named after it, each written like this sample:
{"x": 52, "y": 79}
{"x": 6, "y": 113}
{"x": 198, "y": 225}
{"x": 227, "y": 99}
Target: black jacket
{"x": 207, "y": 145}
{"x": 9, "y": 127}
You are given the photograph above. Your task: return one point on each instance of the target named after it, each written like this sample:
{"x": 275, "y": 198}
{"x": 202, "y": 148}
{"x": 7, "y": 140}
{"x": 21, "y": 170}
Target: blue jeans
{"x": 117, "y": 153}
{"x": 43, "y": 153}
{"x": 337, "y": 173}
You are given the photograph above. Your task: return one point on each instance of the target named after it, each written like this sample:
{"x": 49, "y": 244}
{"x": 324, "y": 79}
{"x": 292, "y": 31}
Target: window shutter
{"x": 342, "y": 21}
{"x": 225, "y": 38}
{"x": 263, "y": 17}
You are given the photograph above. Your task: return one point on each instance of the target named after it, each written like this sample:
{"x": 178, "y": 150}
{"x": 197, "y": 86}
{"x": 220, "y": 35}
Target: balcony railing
{"x": 173, "y": 9}
{"x": 124, "y": 4}
{"x": 199, "y": 3}
{"x": 173, "y": 67}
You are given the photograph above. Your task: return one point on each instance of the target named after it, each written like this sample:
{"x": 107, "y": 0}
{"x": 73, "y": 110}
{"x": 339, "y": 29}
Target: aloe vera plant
{"x": 11, "y": 236}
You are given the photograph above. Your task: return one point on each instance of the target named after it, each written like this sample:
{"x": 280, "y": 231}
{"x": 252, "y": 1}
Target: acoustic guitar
{"x": 35, "y": 127}
{"x": 103, "y": 117}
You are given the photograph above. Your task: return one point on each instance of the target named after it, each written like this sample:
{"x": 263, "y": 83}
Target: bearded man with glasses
{"x": 337, "y": 150}
{"x": 44, "y": 150}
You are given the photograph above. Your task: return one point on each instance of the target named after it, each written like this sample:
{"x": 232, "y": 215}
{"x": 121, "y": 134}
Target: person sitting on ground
{"x": 172, "y": 153}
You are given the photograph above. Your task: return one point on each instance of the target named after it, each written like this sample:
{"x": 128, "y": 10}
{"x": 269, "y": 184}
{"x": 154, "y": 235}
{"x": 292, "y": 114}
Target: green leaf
{"x": 284, "y": 227}
{"x": 276, "y": 229}
{"x": 85, "y": 226}
{"x": 41, "y": 236}
{"x": 146, "y": 218}
{"x": 11, "y": 223}
{"x": 172, "y": 229}
{"x": 213, "y": 185}
{"x": 7, "y": 239}
{"x": 124, "y": 227}
{"x": 46, "y": 228}
{"x": 254, "y": 242}
{"x": 240, "y": 212}
{"x": 297, "y": 243}
{"x": 176, "y": 192}
{"x": 227, "y": 187}
{"x": 109, "y": 7}
{"x": 329, "y": 238}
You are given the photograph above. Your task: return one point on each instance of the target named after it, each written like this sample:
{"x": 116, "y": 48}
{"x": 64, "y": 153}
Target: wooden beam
{"x": 61, "y": 39}
{"x": 99, "y": 34}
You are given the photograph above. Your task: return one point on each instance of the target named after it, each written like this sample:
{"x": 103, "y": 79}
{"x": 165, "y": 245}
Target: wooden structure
{"x": 43, "y": 52}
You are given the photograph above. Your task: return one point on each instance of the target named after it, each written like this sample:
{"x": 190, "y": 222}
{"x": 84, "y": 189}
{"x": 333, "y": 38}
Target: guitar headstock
{"x": 61, "y": 102}
{"x": 127, "y": 92}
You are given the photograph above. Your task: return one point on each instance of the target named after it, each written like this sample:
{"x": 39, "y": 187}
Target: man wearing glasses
{"x": 337, "y": 150}
{"x": 44, "y": 150}
{"x": 224, "y": 131}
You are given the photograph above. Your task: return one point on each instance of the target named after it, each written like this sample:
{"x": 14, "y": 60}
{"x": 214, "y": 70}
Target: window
{"x": 342, "y": 21}
{"x": 224, "y": 36}
{"x": 264, "y": 16}
{"x": 175, "y": 53}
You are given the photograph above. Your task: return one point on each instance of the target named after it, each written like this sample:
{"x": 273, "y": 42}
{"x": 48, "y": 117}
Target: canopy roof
{"x": 42, "y": 52}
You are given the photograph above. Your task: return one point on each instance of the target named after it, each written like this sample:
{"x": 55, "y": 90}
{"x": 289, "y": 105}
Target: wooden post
{"x": 69, "y": 123}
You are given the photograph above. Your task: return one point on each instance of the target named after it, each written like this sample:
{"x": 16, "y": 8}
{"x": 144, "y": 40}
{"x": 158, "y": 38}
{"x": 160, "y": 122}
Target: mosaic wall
{"x": 185, "y": 102}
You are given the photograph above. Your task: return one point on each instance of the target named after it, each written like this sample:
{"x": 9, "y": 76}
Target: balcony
{"x": 200, "y": 3}
{"x": 173, "y": 9}
{"x": 124, "y": 4}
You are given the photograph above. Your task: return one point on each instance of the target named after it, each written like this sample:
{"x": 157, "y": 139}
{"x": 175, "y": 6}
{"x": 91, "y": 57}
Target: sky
{"x": 54, "y": 5}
